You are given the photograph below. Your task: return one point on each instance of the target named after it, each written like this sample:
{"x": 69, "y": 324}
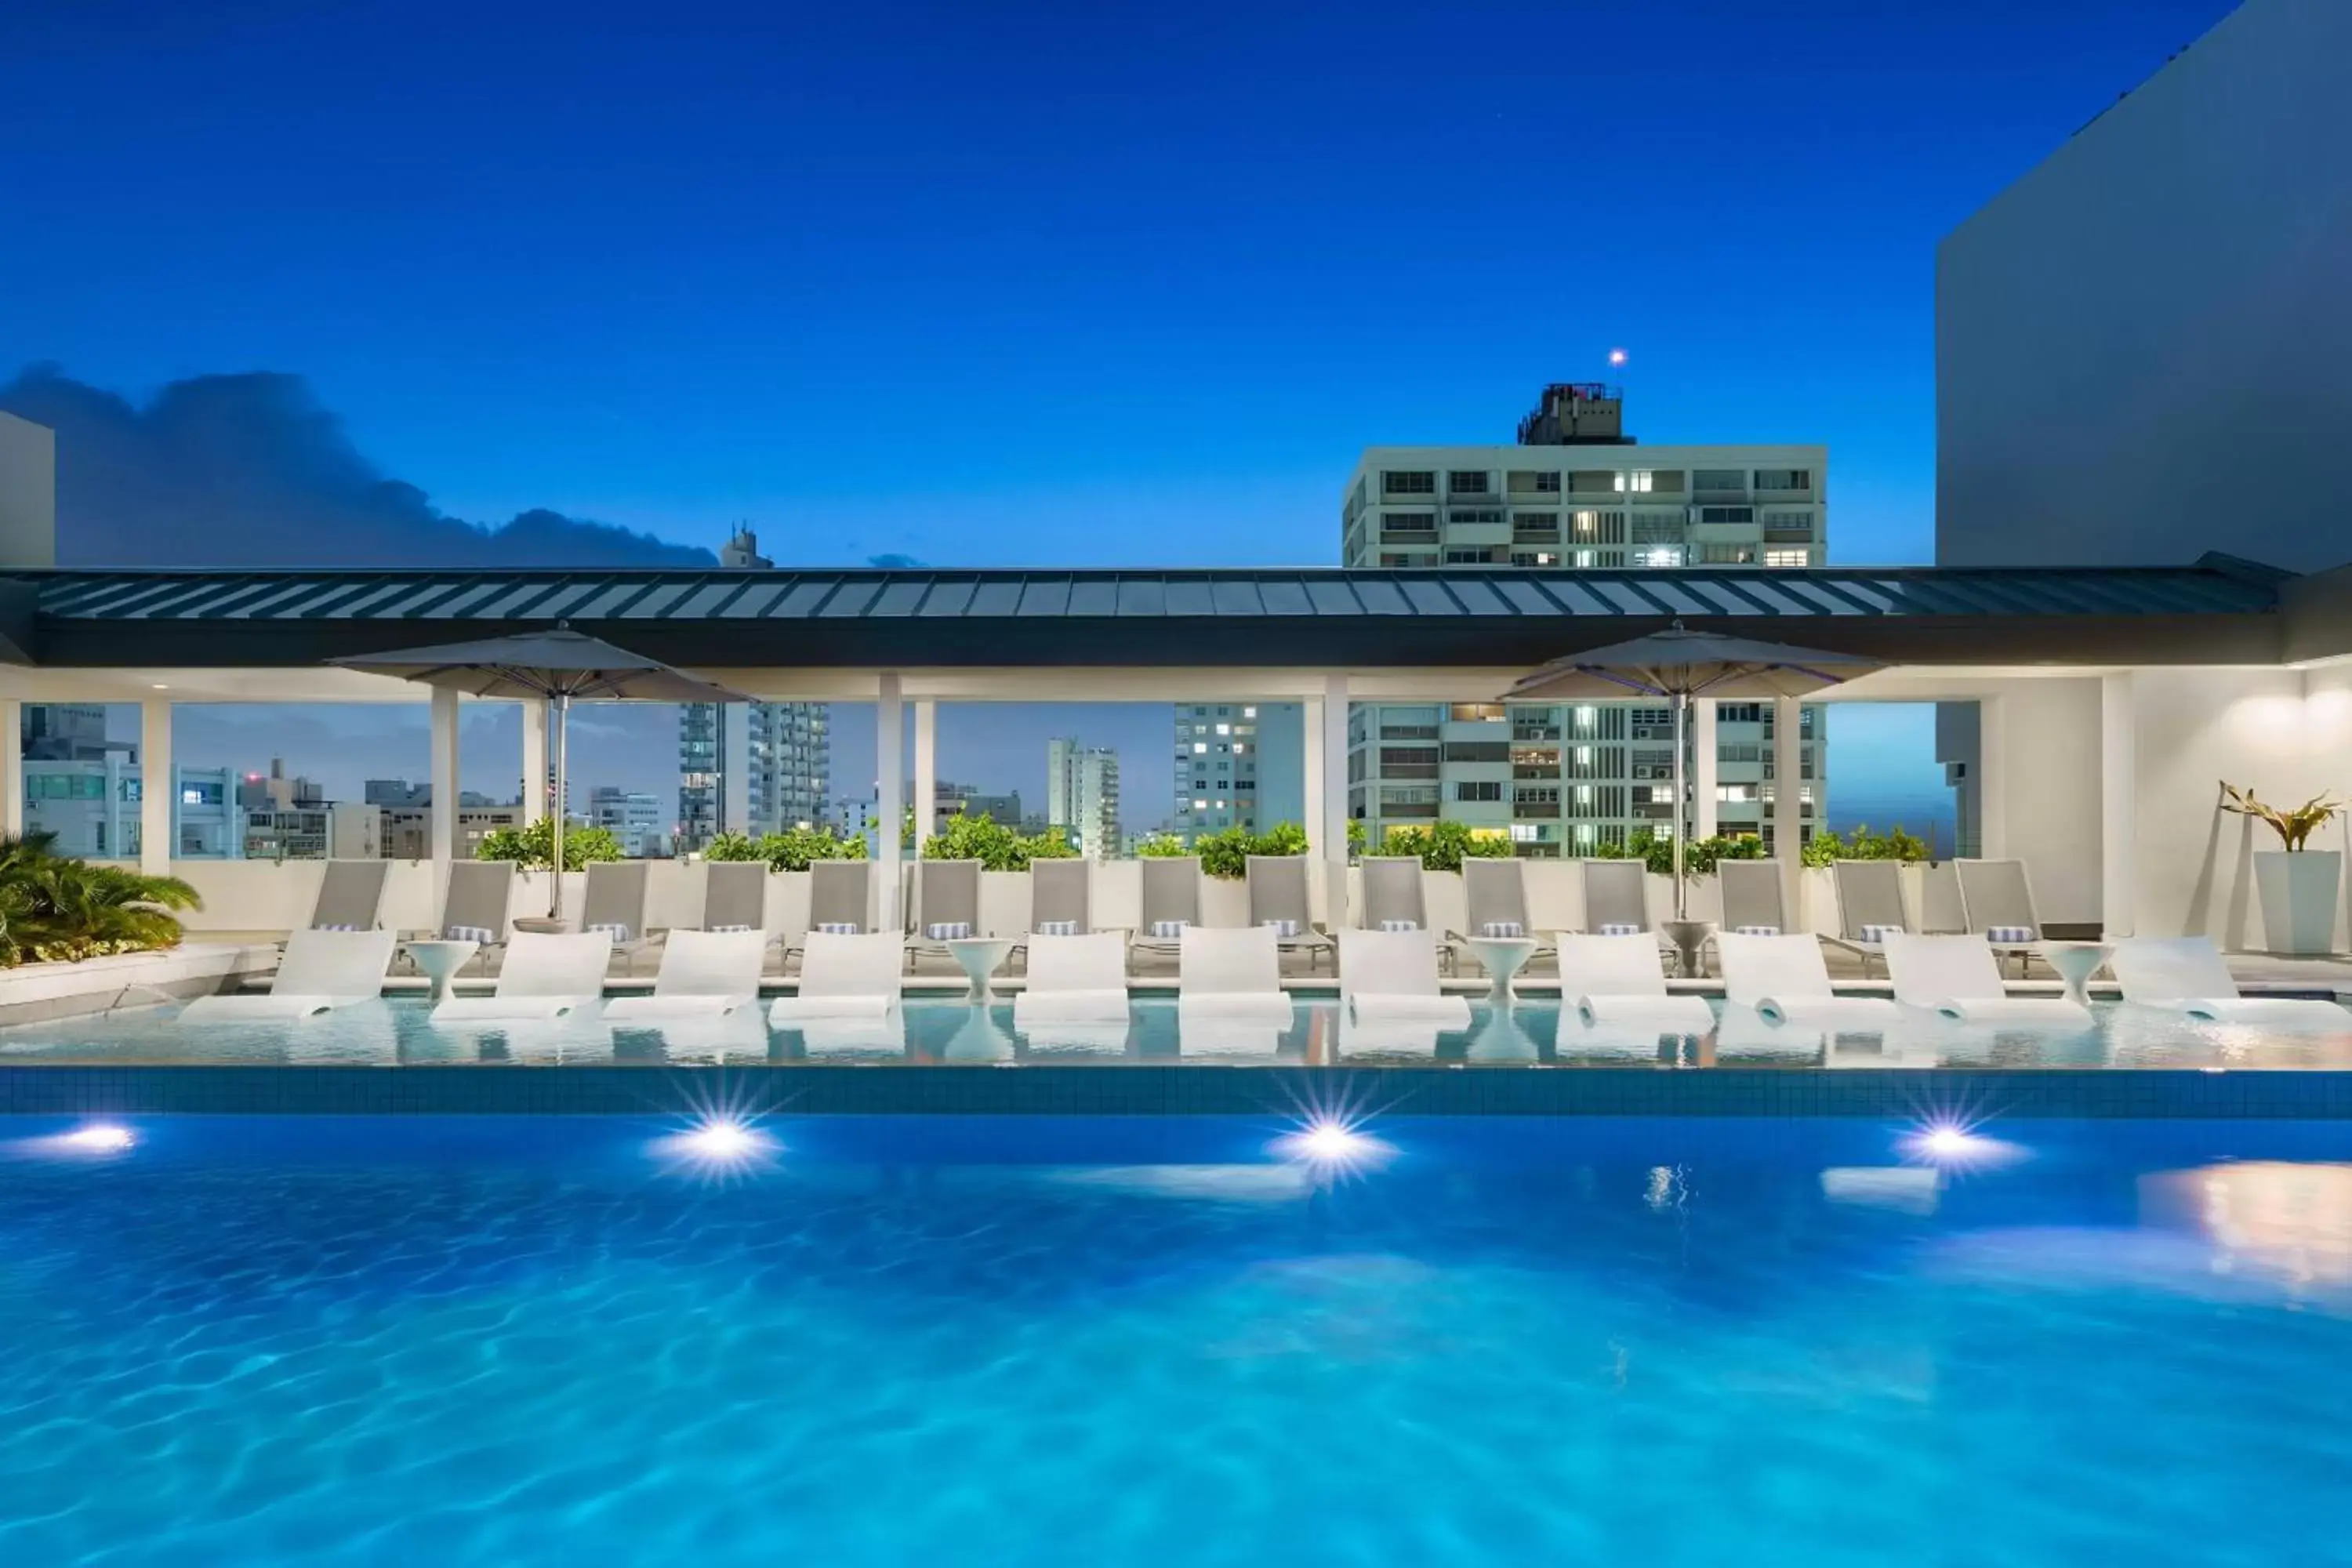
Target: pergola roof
{"x": 2217, "y": 611}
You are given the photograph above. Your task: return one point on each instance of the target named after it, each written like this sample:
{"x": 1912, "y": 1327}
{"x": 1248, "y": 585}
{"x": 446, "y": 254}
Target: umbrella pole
{"x": 1682, "y": 708}
{"x": 562, "y": 705}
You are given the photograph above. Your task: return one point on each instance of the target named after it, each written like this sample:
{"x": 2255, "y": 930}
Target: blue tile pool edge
{"x": 1172, "y": 1090}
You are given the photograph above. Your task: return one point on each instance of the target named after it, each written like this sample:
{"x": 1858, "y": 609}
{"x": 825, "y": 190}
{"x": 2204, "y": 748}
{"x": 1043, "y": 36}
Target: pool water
{"x": 882, "y": 1341}
{"x": 947, "y": 1031}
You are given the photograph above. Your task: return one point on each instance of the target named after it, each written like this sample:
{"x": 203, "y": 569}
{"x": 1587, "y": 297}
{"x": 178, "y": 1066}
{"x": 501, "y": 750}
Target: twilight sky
{"x": 974, "y": 285}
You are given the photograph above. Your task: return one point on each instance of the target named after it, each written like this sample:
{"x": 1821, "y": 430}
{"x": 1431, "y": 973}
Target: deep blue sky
{"x": 1042, "y": 283}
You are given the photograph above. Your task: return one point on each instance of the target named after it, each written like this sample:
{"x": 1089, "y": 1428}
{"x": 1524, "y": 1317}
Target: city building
{"x": 66, "y": 731}
{"x": 396, "y": 794}
{"x": 93, "y": 806}
{"x": 1576, "y": 493}
{"x": 319, "y": 830}
{"x": 634, "y": 818}
{"x": 1238, "y": 764}
{"x": 751, "y": 767}
{"x": 952, "y": 800}
{"x": 2144, "y": 346}
{"x": 851, "y": 818}
{"x": 407, "y": 830}
{"x": 1082, "y": 796}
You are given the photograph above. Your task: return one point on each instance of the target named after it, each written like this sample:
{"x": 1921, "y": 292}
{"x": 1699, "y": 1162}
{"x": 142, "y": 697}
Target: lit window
{"x": 1583, "y": 759}
{"x": 1788, "y": 557}
{"x": 1664, "y": 556}
{"x": 1197, "y": 806}
{"x": 1521, "y": 833}
{"x": 1662, "y": 794}
{"x": 1198, "y": 747}
{"x": 1249, "y": 712}
{"x": 1584, "y": 557}
{"x": 1584, "y": 832}
{"x": 1222, "y": 730}
{"x": 1638, "y": 482}
{"x": 1584, "y": 795}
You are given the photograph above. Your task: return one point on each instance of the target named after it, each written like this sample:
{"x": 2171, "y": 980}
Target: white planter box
{"x": 35, "y": 993}
{"x": 2298, "y": 893}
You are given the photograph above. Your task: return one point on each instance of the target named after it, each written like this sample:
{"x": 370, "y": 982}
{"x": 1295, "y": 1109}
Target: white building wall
{"x": 2144, "y": 346}
{"x": 28, "y": 488}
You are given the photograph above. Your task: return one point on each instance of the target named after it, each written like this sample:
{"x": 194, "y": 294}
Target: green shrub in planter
{"x": 1444, "y": 846}
{"x": 795, "y": 850}
{"x": 55, "y": 908}
{"x": 1825, "y": 847}
{"x": 1700, "y": 856}
{"x": 996, "y": 847}
{"x": 534, "y": 848}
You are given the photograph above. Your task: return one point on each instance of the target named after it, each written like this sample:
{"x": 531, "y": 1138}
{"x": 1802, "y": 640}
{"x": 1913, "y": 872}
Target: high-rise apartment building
{"x": 1574, "y": 494}
{"x": 751, "y": 767}
{"x": 1239, "y": 765}
{"x": 1082, "y": 795}
{"x": 634, "y": 818}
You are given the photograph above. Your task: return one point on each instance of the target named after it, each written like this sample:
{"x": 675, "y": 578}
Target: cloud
{"x": 251, "y": 470}
{"x": 892, "y": 561}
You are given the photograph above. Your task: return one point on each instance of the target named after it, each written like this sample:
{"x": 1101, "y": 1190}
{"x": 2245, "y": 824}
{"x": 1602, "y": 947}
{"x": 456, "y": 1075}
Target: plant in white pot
{"x": 2298, "y": 886}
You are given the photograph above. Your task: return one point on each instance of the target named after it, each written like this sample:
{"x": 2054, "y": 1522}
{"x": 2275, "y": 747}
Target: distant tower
{"x": 751, "y": 767}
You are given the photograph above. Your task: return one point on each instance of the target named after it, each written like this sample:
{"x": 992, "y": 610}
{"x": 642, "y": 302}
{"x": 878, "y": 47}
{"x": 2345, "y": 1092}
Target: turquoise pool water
{"x": 1045, "y": 1342}
{"x": 935, "y": 1031}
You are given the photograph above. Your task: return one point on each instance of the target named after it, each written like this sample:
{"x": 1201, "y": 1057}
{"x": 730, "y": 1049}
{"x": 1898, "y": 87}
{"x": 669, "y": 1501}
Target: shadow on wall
{"x": 2198, "y": 920}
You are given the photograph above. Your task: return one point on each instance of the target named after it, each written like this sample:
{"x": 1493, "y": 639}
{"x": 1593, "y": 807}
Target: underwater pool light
{"x": 721, "y": 1139}
{"x": 718, "y": 1144}
{"x": 99, "y": 1138}
{"x": 1333, "y": 1144}
{"x": 1952, "y": 1144}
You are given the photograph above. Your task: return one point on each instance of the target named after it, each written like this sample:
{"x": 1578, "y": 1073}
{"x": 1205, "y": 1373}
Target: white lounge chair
{"x": 841, "y": 901}
{"x": 1230, "y": 975}
{"x": 1870, "y": 906}
{"x": 1959, "y": 977}
{"x": 1997, "y": 904}
{"x": 1617, "y": 898}
{"x": 704, "y": 974}
{"x": 844, "y": 976}
{"x": 350, "y": 896}
{"x": 947, "y": 906}
{"x": 1074, "y": 980}
{"x": 2184, "y": 974}
{"x": 1395, "y": 892}
{"x": 544, "y": 977}
{"x": 1752, "y": 901}
{"x": 1495, "y": 903}
{"x": 1391, "y": 977}
{"x": 1278, "y": 902}
{"x": 320, "y": 971}
{"x": 474, "y": 905}
{"x": 735, "y": 896}
{"x": 1614, "y": 980}
{"x": 615, "y": 903}
{"x": 1060, "y": 897}
{"x": 1784, "y": 979}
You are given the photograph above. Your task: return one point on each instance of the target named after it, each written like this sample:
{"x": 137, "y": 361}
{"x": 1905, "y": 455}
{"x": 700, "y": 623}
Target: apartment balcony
{"x": 1535, "y": 808}
{"x": 1416, "y": 813}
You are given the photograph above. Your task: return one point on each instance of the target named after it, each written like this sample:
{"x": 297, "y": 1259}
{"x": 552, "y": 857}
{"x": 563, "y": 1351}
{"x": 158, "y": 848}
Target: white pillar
{"x": 890, "y": 790}
{"x": 12, "y": 768}
{"x": 927, "y": 770}
{"x": 1992, "y": 778}
{"x": 1331, "y": 837}
{"x": 159, "y": 788}
{"x": 1788, "y": 804}
{"x": 442, "y": 834}
{"x": 534, "y": 762}
{"x": 735, "y": 768}
{"x": 1310, "y": 777}
{"x": 1703, "y": 769}
{"x": 2118, "y": 804}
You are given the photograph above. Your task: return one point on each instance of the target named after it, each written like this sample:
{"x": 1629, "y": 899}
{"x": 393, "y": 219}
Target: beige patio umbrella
{"x": 1683, "y": 665}
{"x": 556, "y": 666}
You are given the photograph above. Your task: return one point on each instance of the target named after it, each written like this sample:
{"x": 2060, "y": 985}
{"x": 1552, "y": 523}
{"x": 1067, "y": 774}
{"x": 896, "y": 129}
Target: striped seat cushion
{"x": 1169, "y": 928}
{"x": 1400, "y": 925}
{"x": 1502, "y": 929}
{"x": 1880, "y": 933}
{"x": 733, "y": 928}
{"x": 1615, "y": 930}
{"x": 469, "y": 933}
{"x": 2010, "y": 933}
{"x": 1057, "y": 928}
{"x": 617, "y": 930}
{"x": 1755, "y": 930}
{"x": 332, "y": 926}
{"x": 948, "y": 931}
{"x": 1281, "y": 928}
{"x": 838, "y": 928}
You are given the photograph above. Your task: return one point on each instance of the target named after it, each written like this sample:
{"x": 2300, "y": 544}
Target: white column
{"x": 2118, "y": 804}
{"x": 735, "y": 768}
{"x": 442, "y": 836}
{"x": 1702, "y": 815}
{"x": 1992, "y": 778}
{"x": 159, "y": 788}
{"x": 534, "y": 761}
{"x": 1332, "y": 835}
{"x": 890, "y": 788}
{"x": 1788, "y": 803}
{"x": 927, "y": 769}
{"x": 1310, "y": 775}
{"x": 12, "y": 768}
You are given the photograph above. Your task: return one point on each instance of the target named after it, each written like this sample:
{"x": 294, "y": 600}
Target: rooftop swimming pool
{"x": 949, "y": 1032}
{"x": 1171, "y": 1341}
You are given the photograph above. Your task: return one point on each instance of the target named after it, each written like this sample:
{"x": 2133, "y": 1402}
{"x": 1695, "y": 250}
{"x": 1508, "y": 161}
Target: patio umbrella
{"x": 555, "y": 666}
{"x": 1682, "y": 664}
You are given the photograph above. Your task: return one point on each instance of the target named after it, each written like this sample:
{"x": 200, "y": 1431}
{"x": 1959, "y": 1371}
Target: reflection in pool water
{"x": 1535, "y": 1032}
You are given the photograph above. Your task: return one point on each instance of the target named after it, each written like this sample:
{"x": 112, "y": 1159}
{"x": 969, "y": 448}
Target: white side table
{"x": 978, "y": 956}
{"x": 1501, "y": 957}
{"x": 439, "y": 962}
{"x": 2075, "y": 962}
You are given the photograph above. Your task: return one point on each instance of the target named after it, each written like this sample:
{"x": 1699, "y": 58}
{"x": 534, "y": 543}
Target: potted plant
{"x": 2297, "y": 885}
